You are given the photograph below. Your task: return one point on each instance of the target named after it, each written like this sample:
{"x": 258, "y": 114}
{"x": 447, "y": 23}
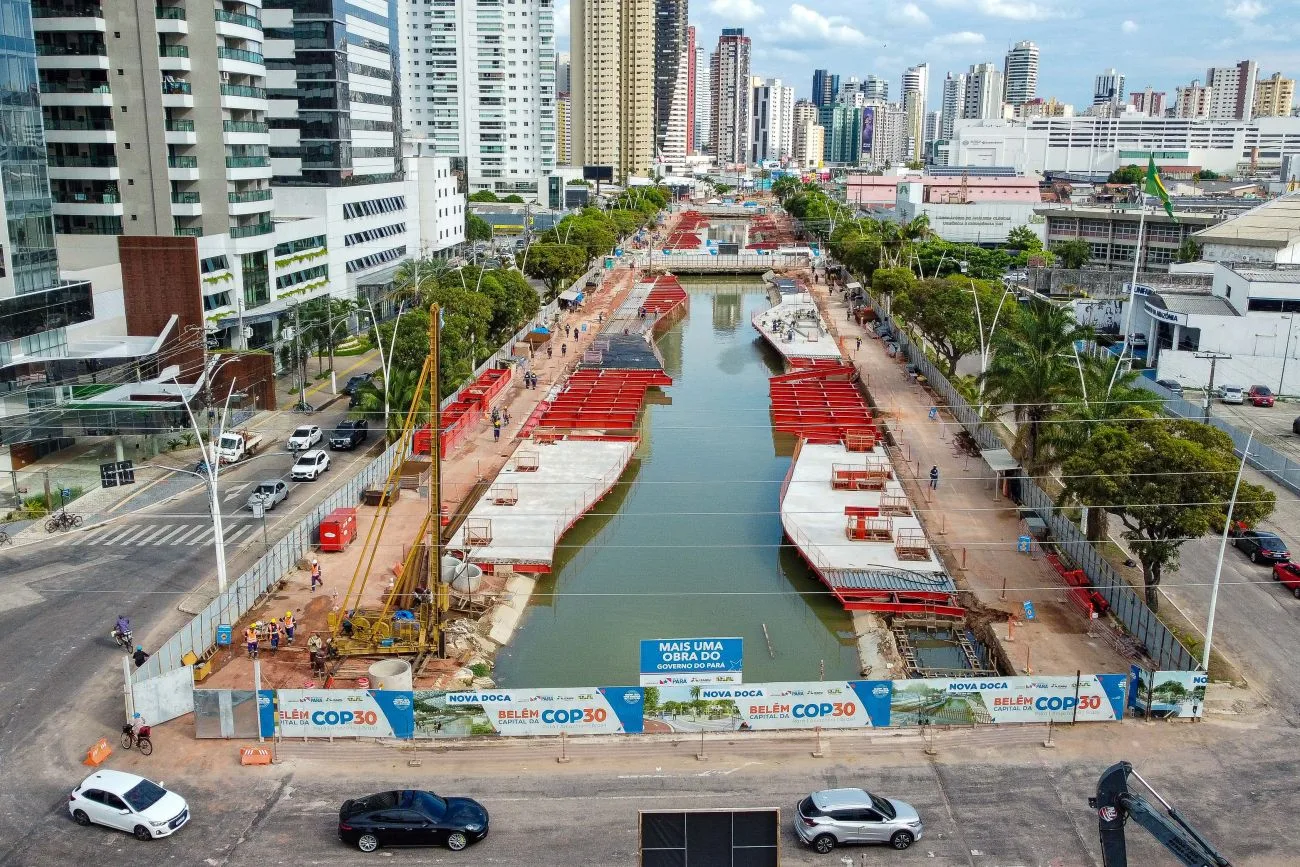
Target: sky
{"x": 1160, "y": 43}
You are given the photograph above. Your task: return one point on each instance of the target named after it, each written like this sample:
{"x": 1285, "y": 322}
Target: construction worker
{"x": 496, "y": 430}
{"x": 288, "y": 627}
{"x": 250, "y": 640}
{"x": 315, "y": 575}
{"x": 273, "y": 629}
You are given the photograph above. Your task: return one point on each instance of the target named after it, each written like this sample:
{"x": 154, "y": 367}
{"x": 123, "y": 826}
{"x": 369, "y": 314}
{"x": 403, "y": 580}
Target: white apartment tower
{"x": 1193, "y": 101}
{"x": 954, "y": 103}
{"x": 703, "y": 101}
{"x": 772, "y": 125}
{"x": 479, "y": 81}
{"x": 916, "y": 85}
{"x": 1020, "y": 71}
{"x": 730, "y": 96}
{"x": 983, "y": 96}
{"x": 1232, "y": 95}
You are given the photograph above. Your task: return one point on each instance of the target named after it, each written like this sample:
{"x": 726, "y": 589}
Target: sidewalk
{"x": 974, "y": 527}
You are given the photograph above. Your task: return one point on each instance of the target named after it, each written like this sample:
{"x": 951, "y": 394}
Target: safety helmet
{"x": 139, "y": 648}
{"x": 288, "y": 614}
{"x": 313, "y": 561}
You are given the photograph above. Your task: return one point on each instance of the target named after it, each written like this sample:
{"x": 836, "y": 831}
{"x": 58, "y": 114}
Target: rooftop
{"x": 1274, "y": 224}
{"x": 1199, "y": 303}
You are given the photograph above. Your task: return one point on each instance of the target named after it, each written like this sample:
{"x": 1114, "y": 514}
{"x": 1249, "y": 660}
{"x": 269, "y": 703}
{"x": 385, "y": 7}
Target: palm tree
{"x": 416, "y": 278}
{"x": 402, "y": 391}
{"x": 1033, "y": 371}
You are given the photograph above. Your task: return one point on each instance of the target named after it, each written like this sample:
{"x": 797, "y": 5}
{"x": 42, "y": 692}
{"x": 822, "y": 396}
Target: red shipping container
{"x": 338, "y": 529}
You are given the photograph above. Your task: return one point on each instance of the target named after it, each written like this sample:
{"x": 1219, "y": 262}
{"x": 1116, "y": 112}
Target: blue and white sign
{"x": 835, "y": 704}
{"x": 604, "y": 710}
{"x": 969, "y": 701}
{"x": 691, "y": 661}
{"x": 323, "y": 713}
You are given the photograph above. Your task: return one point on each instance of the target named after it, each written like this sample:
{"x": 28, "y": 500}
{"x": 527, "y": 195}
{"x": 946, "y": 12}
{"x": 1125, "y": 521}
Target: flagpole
{"x": 1132, "y": 290}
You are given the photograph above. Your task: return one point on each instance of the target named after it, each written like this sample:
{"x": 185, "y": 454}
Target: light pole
{"x": 984, "y": 343}
{"x": 1281, "y": 380}
{"x": 212, "y": 467}
{"x": 1223, "y": 546}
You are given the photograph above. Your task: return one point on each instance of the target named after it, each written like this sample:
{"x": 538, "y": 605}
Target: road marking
{"x": 167, "y": 539}
{"x": 111, "y": 537}
{"x": 134, "y": 537}
{"x": 239, "y": 531}
{"x": 155, "y": 534}
{"x": 190, "y": 535}
{"x": 204, "y": 538}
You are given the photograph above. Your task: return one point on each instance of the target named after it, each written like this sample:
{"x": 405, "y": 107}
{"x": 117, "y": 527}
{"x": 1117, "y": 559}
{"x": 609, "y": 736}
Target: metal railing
{"x": 243, "y": 90}
{"x": 237, "y": 18}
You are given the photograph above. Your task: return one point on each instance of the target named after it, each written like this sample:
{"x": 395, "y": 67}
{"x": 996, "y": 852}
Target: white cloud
{"x": 803, "y": 25}
{"x": 1244, "y": 10}
{"x": 910, "y": 13}
{"x": 1129, "y": 26}
{"x": 1010, "y": 9}
{"x": 964, "y": 37}
{"x": 562, "y": 22}
{"x": 737, "y": 10}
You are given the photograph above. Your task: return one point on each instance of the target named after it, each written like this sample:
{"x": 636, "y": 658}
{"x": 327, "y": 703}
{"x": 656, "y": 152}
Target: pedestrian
{"x": 566, "y": 329}
{"x": 318, "y": 662}
{"x": 934, "y": 478}
{"x": 505, "y": 415}
{"x": 288, "y": 627}
{"x": 496, "y": 430}
{"x": 859, "y": 343}
{"x": 315, "y": 575}
{"x": 549, "y": 349}
{"x": 496, "y": 414}
{"x": 274, "y": 631}
{"x": 140, "y": 656}
{"x": 564, "y": 349}
{"x": 250, "y": 635}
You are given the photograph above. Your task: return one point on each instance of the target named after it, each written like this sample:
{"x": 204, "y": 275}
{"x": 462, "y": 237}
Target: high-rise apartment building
{"x": 563, "y": 65}
{"x": 886, "y": 139}
{"x": 1193, "y": 101}
{"x": 983, "y": 92}
{"x": 931, "y": 133}
{"x": 1232, "y": 95}
{"x": 612, "y": 43}
{"x": 1274, "y": 96}
{"x": 810, "y": 144}
{"x": 772, "y": 124}
{"x": 916, "y": 85}
{"x": 825, "y": 87}
{"x": 474, "y": 86}
{"x": 563, "y": 131}
{"x": 670, "y": 74}
{"x": 875, "y": 88}
{"x": 730, "y": 80}
{"x": 1149, "y": 102}
{"x": 1020, "y": 73}
{"x": 692, "y": 53}
{"x": 842, "y": 133}
{"x": 804, "y": 114}
{"x": 703, "y": 101}
{"x": 954, "y": 103}
{"x": 1108, "y": 88}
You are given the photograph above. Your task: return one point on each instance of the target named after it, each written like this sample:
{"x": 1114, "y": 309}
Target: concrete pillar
{"x": 119, "y": 448}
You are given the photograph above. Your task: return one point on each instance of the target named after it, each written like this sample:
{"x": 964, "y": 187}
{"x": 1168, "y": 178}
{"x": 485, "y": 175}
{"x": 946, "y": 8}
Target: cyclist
{"x": 123, "y": 627}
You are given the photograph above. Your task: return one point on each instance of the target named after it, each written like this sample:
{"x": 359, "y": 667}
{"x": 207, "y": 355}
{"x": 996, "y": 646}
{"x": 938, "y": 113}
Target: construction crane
{"x": 1116, "y": 804}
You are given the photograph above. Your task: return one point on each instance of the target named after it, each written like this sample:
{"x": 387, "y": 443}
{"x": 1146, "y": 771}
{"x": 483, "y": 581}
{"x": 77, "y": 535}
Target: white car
{"x": 128, "y": 803}
{"x": 310, "y": 465}
{"x": 1232, "y": 394}
{"x": 304, "y": 438}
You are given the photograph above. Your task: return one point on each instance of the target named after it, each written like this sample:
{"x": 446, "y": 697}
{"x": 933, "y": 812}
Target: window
{"x": 1099, "y": 251}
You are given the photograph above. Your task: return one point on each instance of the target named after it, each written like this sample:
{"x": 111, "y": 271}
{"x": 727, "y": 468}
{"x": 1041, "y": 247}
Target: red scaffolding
{"x": 601, "y": 399}
{"x": 820, "y": 404}
{"x": 665, "y": 297}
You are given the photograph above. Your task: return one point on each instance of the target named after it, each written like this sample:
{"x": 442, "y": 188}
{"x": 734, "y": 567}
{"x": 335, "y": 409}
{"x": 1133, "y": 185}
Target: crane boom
{"x": 1116, "y": 804}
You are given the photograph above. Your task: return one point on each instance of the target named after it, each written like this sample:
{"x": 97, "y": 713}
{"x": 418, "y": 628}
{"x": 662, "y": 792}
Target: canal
{"x": 688, "y": 544}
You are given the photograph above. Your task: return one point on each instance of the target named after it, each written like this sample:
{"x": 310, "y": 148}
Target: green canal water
{"x": 689, "y": 544}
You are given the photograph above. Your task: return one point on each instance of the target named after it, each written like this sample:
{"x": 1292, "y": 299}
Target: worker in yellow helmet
{"x": 288, "y": 627}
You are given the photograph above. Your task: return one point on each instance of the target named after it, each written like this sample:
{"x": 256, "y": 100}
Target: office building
{"x": 1020, "y": 73}
{"x": 730, "y": 80}
{"x": 954, "y": 103}
{"x": 1108, "y": 87}
{"x": 1112, "y": 233}
{"x": 931, "y": 132}
{"x": 825, "y": 87}
{"x": 470, "y": 87}
{"x": 916, "y": 85}
{"x": 563, "y": 80}
{"x": 983, "y": 92}
{"x": 842, "y": 134}
{"x": 772, "y": 120}
{"x": 671, "y": 80}
{"x": 1193, "y": 101}
{"x": 703, "y": 101}
{"x": 1232, "y": 90}
{"x": 875, "y": 88}
{"x": 1274, "y": 96}
{"x": 1149, "y": 102}
{"x": 612, "y": 45}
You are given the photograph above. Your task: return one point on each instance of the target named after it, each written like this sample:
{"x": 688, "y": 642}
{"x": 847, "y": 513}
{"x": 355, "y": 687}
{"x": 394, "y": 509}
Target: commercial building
{"x": 1020, "y": 73}
{"x": 772, "y": 112}
{"x": 1149, "y": 102}
{"x": 730, "y": 81}
{"x": 842, "y": 134}
{"x": 916, "y": 86}
{"x": 825, "y": 87}
{"x": 874, "y": 87}
{"x": 612, "y": 43}
{"x": 671, "y": 65}
{"x": 1112, "y": 233}
{"x": 1101, "y": 145}
{"x": 1232, "y": 90}
{"x": 472, "y": 85}
{"x": 1108, "y": 87}
{"x": 1274, "y": 96}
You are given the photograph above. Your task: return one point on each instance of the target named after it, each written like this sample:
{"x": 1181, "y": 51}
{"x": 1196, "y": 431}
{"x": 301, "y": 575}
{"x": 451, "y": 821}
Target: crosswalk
{"x": 164, "y": 534}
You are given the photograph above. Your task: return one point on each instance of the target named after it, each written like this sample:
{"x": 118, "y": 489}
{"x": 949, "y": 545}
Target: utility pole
{"x": 435, "y": 483}
{"x": 1281, "y": 380}
{"x": 1209, "y": 389}
{"x": 300, "y": 358}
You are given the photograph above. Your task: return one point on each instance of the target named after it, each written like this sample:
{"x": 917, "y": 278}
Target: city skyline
{"x": 790, "y": 42}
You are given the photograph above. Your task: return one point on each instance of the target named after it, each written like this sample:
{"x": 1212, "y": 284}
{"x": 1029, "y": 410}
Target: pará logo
{"x": 632, "y": 696}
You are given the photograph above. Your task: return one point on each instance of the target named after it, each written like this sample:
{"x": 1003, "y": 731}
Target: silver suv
{"x": 826, "y": 819}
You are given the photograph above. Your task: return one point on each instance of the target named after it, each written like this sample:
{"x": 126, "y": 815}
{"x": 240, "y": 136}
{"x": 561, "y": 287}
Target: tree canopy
{"x": 1130, "y": 174}
{"x": 1073, "y": 253}
{"x": 556, "y": 265}
{"x": 477, "y": 228}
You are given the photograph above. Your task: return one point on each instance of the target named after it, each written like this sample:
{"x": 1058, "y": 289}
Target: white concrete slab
{"x": 795, "y": 328}
{"x": 812, "y": 513}
{"x": 571, "y": 476}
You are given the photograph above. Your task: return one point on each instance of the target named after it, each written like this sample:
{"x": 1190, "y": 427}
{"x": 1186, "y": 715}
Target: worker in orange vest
{"x": 274, "y": 632}
{"x": 288, "y": 627}
{"x": 315, "y": 575}
{"x": 250, "y": 639}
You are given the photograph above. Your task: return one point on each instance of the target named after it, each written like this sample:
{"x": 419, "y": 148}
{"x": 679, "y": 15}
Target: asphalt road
{"x": 58, "y": 601}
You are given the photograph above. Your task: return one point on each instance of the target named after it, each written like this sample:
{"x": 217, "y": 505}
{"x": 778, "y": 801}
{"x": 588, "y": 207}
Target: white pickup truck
{"x": 236, "y": 445}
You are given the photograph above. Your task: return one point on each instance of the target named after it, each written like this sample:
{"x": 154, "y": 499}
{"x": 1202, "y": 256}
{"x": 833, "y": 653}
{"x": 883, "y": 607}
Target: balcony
{"x": 186, "y": 205}
{"x": 182, "y": 162}
{"x": 180, "y": 132}
{"x": 243, "y": 96}
{"x": 187, "y": 233}
{"x": 251, "y": 126}
{"x": 68, "y": 18}
{"x": 173, "y": 51}
{"x": 84, "y": 168}
{"x": 72, "y": 54}
{"x": 87, "y": 204}
{"x": 80, "y": 131}
{"x": 174, "y": 58}
{"x": 249, "y": 203}
{"x": 240, "y": 54}
{"x": 234, "y": 25}
{"x": 183, "y": 168}
{"x": 252, "y": 231}
{"x": 185, "y": 198}
{"x": 247, "y": 162}
{"x": 170, "y": 19}
{"x": 250, "y": 196}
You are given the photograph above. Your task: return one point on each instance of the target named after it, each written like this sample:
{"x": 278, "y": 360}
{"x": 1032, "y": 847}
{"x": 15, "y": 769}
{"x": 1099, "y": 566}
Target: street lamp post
{"x": 385, "y": 360}
{"x": 1223, "y": 546}
{"x": 211, "y": 466}
{"x": 1281, "y": 380}
{"x": 985, "y": 342}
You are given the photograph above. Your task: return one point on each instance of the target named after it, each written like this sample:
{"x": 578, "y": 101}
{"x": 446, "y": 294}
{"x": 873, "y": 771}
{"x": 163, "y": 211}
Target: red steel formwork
{"x": 680, "y": 240}
{"x": 666, "y": 296}
{"x": 601, "y": 399}
{"x": 460, "y": 416}
{"x": 820, "y": 404}
{"x": 690, "y": 221}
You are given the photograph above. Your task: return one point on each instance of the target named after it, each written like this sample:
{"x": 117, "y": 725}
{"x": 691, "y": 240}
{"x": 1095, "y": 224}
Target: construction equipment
{"x": 1115, "y": 804}
{"x": 410, "y": 619}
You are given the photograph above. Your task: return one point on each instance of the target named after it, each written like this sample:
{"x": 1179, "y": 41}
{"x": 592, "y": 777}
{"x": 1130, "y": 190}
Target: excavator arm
{"x": 1116, "y": 804}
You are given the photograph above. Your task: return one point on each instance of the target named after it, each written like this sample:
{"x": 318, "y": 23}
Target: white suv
{"x": 832, "y": 817}
{"x": 310, "y": 465}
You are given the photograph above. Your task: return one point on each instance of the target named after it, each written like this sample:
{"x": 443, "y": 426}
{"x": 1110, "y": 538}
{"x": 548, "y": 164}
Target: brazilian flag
{"x": 1155, "y": 187}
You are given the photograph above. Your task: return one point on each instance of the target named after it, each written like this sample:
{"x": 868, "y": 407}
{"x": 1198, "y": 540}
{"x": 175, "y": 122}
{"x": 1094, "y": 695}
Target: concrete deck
{"x": 572, "y": 475}
{"x": 812, "y": 513}
{"x": 795, "y": 328}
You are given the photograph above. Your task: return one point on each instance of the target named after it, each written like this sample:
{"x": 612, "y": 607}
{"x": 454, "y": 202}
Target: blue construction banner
{"x": 691, "y": 661}
{"x": 323, "y": 713}
{"x": 603, "y": 710}
{"x": 840, "y": 704}
{"x": 1037, "y": 698}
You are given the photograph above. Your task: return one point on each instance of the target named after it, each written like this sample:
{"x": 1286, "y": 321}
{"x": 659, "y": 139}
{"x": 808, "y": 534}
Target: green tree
{"x": 484, "y": 196}
{"x": 1073, "y": 253}
{"x": 513, "y": 199}
{"x": 1207, "y": 175}
{"x": 887, "y": 283}
{"x": 1188, "y": 251}
{"x": 477, "y": 228}
{"x": 785, "y": 186}
{"x": 324, "y": 323}
{"x": 943, "y": 311}
{"x": 556, "y": 265}
{"x": 915, "y": 165}
{"x": 1023, "y": 238}
{"x": 1033, "y": 370}
{"x": 1130, "y": 174}
{"x": 1168, "y": 481}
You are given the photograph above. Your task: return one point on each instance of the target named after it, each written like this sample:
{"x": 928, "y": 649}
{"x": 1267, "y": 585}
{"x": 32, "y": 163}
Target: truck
{"x": 236, "y": 445}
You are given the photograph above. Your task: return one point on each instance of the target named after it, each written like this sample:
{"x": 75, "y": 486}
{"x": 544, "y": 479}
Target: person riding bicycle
{"x": 123, "y": 626}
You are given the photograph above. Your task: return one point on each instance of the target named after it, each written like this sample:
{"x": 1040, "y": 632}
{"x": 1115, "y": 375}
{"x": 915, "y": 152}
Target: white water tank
{"x": 391, "y": 674}
{"x": 463, "y": 577}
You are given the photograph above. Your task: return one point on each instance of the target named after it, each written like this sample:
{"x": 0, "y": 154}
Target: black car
{"x": 411, "y": 817}
{"x": 355, "y": 382}
{"x": 349, "y": 434}
{"x": 1262, "y": 547}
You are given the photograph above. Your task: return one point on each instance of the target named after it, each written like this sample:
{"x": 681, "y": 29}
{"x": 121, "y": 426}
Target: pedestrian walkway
{"x": 186, "y": 534}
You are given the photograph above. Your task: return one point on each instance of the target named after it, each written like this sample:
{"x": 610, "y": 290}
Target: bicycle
{"x": 131, "y": 737}
{"x": 64, "y": 520}
{"x": 4, "y": 538}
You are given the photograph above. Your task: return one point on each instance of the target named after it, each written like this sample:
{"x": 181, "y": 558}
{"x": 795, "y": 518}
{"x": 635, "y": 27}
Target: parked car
{"x": 1261, "y": 395}
{"x": 269, "y": 493}
{"x": 1137, "y": 341}
{"x": 304, "y": 438}
{"x": 350, "y": 387}
{"x": 1262, "y": 546}
{"x": 128, "y": 803}
{"x": 411, "y": 817}
{"x": 1173, "y": 386}
{"x": 349, "y": 434}
{"x": 1232, "y": 394}
{"x": 832, "y": 817}
{"x": 310, "y": 465}
{"x": 1289, "y": 574}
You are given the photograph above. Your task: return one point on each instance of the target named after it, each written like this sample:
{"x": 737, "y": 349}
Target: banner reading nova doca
{"x": 1167, "y": 694}
{"x": 759, "y": 706}
{"x": 600, "y": 710}
{"x": 321, "y": 713}
{"x": 1090, "y": 698}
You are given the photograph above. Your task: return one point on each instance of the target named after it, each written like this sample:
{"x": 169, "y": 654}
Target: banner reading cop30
{"x": 581, "y": 711}
{"x": 1064, "y": 698}
{"x": 760, "y": 706}
{"x": 323, "y": 713}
